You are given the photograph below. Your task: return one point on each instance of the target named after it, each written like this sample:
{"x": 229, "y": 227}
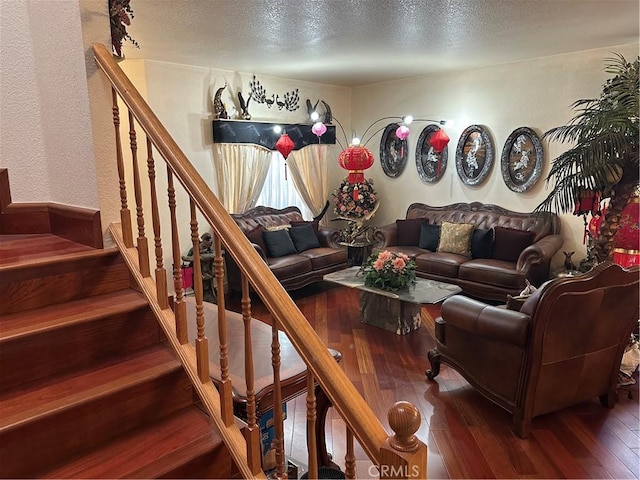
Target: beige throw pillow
{"x": 456, "y": 238}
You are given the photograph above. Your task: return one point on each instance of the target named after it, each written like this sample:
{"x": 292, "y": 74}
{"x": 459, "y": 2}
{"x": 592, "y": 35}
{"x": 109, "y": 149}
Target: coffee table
{"x": 399, "y": 311}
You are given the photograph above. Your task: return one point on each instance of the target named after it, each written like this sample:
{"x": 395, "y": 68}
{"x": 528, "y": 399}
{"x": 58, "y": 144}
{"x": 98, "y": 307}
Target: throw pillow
{"x": 304, "y": 237}
{"x": 456, "y": 238}
{"x": 429, "y": 236}
{"x": 409, "y": 231}
{"x": 310, "y": 222}
{"x": 273, "y": 228}
{"x": 482, "y": 243}
{"x": 255, "y": 236}
{"x": 509, "y": 243}
{"x": 278, "y": 243}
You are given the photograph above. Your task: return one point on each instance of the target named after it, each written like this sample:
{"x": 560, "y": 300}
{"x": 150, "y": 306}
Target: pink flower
{"x": 378, "y": 264}
{"x": 385, "y": 256}
{"x": 398, "y": 264}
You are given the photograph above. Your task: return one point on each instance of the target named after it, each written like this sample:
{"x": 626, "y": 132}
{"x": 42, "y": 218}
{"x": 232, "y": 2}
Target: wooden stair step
{"x": 19, "y": 249}
{"x": 150, "y": 452}
{"x": 59, "y": 279}
{"x": 94, "y": 328}
{"x": 70, "y": 414}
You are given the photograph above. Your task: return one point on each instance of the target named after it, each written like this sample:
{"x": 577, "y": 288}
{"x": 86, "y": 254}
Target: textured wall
{"x": 44, "y": 139}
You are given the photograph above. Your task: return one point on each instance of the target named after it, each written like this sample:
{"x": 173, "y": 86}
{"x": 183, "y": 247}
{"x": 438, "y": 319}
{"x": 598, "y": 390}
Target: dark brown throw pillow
{"x": 409, "y": 231}
{"x": 255, "y": 236}
{"x": 509, "y": 243}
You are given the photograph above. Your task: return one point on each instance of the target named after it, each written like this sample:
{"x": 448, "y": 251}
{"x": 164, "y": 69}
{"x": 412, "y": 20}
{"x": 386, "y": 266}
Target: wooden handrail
{"x": 359, "y": 417}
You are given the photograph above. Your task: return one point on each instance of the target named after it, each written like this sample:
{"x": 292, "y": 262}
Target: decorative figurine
{"x": 219, "y": 109}
{"x": 244, "y": 107}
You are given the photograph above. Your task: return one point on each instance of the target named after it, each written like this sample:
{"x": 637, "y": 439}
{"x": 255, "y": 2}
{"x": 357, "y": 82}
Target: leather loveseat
{"x": 298, "y": 252}
{"x": 504, "y": 249}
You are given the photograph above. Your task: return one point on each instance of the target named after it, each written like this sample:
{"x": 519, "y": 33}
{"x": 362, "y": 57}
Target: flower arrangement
{"x": 356, "y": 203}
{"x": 120, "y": 15}
{"x": 389, "y": 271}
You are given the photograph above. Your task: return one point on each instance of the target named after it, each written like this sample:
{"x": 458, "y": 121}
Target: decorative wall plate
{"x": 474, "y": 155}
{"x": 522, "y": 159}
{"x": 430, "y": 164}
{"x": 393, "y": 151}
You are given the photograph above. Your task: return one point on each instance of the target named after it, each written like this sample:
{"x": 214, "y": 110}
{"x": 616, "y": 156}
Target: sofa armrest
{"x": 539, "y": 252}
{"x": 386, "y": 236}
{"x": 478, "y": 318}
{"x": 329, "y": 237}
{"x": 261, "y": 252}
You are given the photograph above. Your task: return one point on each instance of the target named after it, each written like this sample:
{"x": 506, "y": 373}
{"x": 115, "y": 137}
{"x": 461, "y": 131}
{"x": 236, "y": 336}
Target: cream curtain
{"x": 309, "y": 170}
{"x": 241, "y": 170}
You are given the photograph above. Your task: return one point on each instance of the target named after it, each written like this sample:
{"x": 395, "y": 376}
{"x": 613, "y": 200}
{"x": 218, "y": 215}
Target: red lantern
{"x": 439, "y": 140}
{"x": 284, "y": 145}
{"x": 628, "y": 235}
{"x": 356, "y": 160}
{"x": 587, "y": 201}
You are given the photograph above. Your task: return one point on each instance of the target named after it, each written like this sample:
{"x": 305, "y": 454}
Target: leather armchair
{"x": 563, "y": 347}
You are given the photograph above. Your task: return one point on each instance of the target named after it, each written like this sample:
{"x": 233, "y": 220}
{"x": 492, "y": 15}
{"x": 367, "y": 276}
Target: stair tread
{"x": 16, "y": 325}
{"x": 28, "y": 248}
{"x": 148, "y": 452}
{"x": 59, "y": 393}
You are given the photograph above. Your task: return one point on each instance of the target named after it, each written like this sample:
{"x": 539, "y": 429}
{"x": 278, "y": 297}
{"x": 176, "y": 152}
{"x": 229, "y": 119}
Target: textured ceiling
{"x": 356, "y": 42}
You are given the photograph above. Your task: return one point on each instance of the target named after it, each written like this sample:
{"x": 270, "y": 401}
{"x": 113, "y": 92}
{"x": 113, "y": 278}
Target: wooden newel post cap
{"x": 404, "y": 420}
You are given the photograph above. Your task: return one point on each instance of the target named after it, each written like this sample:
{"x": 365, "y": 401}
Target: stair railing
{"x": 400, "y": 455}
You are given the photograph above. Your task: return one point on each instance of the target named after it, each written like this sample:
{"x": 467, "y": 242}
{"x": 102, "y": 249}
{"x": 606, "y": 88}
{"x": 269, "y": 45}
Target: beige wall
{"x": 535, "y": 94}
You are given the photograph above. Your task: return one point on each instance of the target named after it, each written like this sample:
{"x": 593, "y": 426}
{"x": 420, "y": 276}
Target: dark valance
{"x": 261, "y": 133}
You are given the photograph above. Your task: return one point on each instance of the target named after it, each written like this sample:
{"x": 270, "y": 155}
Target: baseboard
{"x": 79, "y": 224}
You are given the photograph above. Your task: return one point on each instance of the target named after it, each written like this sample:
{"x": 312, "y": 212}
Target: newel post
{"x": 403, "y": 455}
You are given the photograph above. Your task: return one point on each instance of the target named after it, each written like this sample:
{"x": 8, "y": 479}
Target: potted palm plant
{"x": 603, "y": 161}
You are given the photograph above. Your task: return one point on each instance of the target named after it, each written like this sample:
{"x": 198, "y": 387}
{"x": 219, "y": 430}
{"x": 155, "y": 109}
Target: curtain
{"x": 309, "y": 170}
{"x": 241, "y": 170}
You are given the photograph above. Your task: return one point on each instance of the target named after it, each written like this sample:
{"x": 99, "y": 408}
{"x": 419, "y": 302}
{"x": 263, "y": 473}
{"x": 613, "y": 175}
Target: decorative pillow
{"x": 275, "y": 228}
{"x": 409, "y": 231}
{"x": 278, "y": 243}
{"x": 482, "y": 243}
{"x": 456, "y": 238}
{"x": 429, "y": 236}
{"x": 304, "y": 237}
{"x": 255, "y": 236}
{"x": 509, "y": 243}
{"x": 310, "y": 222}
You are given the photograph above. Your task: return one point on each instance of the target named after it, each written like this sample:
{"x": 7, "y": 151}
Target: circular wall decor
{"x": 474, "y": 155}
{"x": 393, "y": 151}
{"x": 430, "y": 164}
{"x": 522, "y": 159}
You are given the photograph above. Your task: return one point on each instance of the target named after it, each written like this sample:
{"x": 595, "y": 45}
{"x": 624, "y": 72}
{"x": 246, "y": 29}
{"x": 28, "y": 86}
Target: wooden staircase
{"x": 88, "y": 388}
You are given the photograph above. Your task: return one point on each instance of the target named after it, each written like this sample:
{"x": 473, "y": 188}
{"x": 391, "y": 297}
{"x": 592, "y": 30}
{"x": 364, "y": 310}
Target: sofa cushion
{"x": 492, "y": 272}
{"x": 304, "y": 237}
{"x": 409, "y": 231}
{"x": 482, "y": 243}
{"x": 440, "y": 263}
{"x": 456, "y": 238}
{"x": 429, "y": 236}
{"x": 289, "y": 266}
{"x": 278, "y": 243}
{"x": 325, "y": 257}
{"x": 255, "y": 236}
{"x": 509, "y": 243}
{"x": 411, "y": 252}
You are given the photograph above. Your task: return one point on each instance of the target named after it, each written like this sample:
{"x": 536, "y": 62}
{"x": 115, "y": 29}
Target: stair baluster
{"x": 202, "y": 345}
{"x": 179, "y": 307}
{"x": 125, "y": 214}
{"x": 143, "y": 244}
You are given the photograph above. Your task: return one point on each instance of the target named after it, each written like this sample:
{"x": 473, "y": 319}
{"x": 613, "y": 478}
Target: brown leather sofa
{"x": 299, "y": 267}
{"x": 562, "y": 348}
{"x": 491, "y": 274}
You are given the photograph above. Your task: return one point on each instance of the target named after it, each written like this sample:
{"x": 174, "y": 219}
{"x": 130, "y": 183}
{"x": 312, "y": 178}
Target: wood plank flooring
{"x": 467, "y": 436}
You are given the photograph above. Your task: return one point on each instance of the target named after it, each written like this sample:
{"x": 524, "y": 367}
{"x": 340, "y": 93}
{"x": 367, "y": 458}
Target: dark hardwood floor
{"x": 467, "y": 435}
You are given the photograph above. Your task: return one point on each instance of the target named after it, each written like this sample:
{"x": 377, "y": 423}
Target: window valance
{"x": 261, "y": 133}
